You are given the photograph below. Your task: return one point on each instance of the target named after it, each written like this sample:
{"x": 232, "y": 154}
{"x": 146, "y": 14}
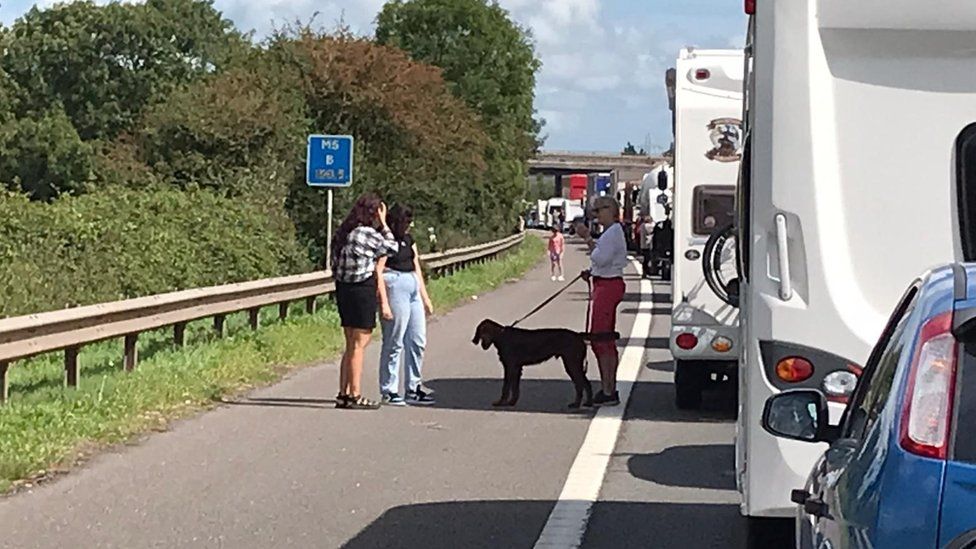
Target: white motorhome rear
{"x": 854, "y": 181}
{"x": 708, "y": 137}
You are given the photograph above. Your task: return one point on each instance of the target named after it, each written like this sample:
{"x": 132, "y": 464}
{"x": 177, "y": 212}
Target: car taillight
{"x": 794, "y": 369}
{"x": 686, "y": 341}
{"x": 927, "y": 412}
{"x": 703, "y": 74}
{"x": 750, "y": 7}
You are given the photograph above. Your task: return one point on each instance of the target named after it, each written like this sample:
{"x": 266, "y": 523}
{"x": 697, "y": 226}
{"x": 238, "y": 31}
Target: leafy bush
{"x": 121, "y": 243}
{"x": 415, "y": 142}
{"x": 44, "y": 156}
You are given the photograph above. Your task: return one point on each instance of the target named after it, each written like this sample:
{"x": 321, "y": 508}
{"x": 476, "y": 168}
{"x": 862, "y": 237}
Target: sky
{"x": 602, "y": 79}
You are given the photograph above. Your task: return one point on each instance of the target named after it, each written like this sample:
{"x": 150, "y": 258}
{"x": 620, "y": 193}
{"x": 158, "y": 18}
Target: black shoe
{"x": 602, "y": 399}
{"x": 419, "y": 397}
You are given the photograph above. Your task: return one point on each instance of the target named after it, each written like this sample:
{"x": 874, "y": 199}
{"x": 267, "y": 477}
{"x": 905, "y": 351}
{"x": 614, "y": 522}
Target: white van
{"x": 859, "y": 173}
{"x": 707, "y": 148}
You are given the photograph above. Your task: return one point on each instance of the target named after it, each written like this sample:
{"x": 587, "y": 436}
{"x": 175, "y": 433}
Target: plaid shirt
{"x": 356, "y": 261}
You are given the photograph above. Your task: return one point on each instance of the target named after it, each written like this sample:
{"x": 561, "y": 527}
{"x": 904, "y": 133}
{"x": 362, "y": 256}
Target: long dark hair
{"x": 399, "y": 220}
{"x": 362, "y": 214}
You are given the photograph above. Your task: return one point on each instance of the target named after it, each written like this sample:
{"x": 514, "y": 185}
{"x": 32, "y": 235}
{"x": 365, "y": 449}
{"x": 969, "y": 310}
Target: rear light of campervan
{"x": 927, "y": 412}
{"x": 686, "y": 341}
{"x": 750, "y": 7}
{"x": 721, "y": 344}
{"x": 703, "y": 74}
{"x": 794, "y": 369}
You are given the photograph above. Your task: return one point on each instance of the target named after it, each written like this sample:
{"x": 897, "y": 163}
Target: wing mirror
{"x": 799, "y": 415}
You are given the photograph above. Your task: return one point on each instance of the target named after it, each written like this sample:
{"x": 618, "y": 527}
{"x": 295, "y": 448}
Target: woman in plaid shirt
{"x": 360, "y": 241}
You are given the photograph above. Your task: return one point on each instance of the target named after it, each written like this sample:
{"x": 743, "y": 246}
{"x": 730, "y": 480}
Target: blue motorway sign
{"x": 329, "y": 161}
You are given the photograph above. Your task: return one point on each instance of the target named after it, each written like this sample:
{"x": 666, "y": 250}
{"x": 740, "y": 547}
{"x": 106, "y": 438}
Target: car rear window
{"x": 966, "y": 190}
{"x": 714, "y": 206}
{"x": 964, "y": 448}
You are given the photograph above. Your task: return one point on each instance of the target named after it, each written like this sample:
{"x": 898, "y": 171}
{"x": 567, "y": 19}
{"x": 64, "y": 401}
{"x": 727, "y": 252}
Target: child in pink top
{"x": 556, "y": 246}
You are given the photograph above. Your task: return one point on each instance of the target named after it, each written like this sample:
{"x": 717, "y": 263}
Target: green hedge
{"x": 122, "y": 243}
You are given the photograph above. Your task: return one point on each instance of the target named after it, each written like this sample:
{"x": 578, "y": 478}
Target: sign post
{"x": 329, "y": 164}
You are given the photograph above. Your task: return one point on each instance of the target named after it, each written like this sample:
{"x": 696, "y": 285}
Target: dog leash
{"x": 550, "y": 300}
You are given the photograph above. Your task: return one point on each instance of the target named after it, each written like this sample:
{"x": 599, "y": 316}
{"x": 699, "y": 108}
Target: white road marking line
{"x": 568, "y": 520}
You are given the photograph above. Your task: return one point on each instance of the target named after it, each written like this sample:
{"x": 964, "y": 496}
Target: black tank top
{"x": 402, "y": 260}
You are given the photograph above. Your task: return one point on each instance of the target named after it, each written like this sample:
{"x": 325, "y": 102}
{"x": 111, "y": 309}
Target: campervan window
{"x": 966, "y": 182}
{"x": 713, "y": 208}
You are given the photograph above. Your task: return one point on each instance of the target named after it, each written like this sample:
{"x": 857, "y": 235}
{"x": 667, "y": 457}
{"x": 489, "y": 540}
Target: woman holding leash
{"x": 362, "y": 238}
{"x": 608, "y": 259}
{"x": 404, "y": 306}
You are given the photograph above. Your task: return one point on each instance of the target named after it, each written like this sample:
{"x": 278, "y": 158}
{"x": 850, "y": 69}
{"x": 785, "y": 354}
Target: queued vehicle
{"x": 900, "y": 471}
{"x": 704, "y": 339}
{"x": 858, "y": 173}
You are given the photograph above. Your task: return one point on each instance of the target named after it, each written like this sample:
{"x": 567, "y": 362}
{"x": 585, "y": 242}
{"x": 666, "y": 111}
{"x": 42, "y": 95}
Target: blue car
{"x": 900, "y": 471}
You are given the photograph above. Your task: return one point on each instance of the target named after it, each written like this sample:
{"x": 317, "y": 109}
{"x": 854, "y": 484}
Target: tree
{"x": 487, "y": 58}
{"x": 489, "y": 62}
{"x": 631, "y": 150}
{"x": 43, "y": 156}
{"x": 104, "y": 64}
{"x": 415, "y": 141}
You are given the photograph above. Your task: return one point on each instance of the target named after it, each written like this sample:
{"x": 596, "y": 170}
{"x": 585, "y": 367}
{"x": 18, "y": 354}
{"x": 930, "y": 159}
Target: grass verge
{"x": 45, "y": 428}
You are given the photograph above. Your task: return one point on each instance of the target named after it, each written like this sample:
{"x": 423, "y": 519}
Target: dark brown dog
{"x": 518, "y": 348}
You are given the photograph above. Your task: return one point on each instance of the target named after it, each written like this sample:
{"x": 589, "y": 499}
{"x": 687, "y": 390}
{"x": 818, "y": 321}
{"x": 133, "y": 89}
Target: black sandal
{"x": 361, "y": 403}
{"x": 342, "y": 401}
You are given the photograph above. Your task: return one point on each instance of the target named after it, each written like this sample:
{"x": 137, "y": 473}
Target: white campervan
{"x": 859, "y": 173}
{"x": 707, "y": 148}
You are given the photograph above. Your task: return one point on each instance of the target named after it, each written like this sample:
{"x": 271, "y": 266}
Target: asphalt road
{"x": 283, "y": 468}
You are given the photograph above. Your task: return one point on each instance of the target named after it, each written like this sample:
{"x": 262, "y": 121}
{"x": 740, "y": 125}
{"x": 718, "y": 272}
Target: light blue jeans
{"x": 406, "y": 332}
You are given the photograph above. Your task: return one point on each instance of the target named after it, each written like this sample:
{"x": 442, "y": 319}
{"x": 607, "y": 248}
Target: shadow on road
{"x": 628, "y": 298}
{"x": 316, "y": 403}
{"x": 654, "y": 401}
{"x": 645, "y": 342}
{"x": 656, "y": 311}
{"x": 650, "y": 401}
{"x": 517, "y": 524}
{"x": 699, "y": 466}
{"x": 549, "y": 396}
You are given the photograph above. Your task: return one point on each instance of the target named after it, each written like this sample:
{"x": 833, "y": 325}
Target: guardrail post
{"x": 310, "y": 305}
{"x": 283, "y": 311}
{"x": 219, "y": 325}
{"x": 254, "y": 318}
{"x": 131, "y": 352}
{"x": 71, "y": 369}
{"x": 4, "y": 386}
{"x": 179, "y": 334}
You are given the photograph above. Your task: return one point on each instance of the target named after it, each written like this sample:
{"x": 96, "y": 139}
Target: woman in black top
{"x": 404, "y": 306}
{"x": 362, "y": 239}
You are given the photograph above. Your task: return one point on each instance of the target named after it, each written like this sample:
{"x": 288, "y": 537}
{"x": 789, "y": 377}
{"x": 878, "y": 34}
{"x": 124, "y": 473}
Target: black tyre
{"x": 770, "y": 533}
{"x": 689, "y": 382}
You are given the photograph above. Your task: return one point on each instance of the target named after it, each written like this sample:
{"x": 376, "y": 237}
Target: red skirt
{"x": 607, "y": 295}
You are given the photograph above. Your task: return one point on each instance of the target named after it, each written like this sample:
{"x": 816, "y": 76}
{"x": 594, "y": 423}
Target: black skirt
{"x": 357, "y": 303}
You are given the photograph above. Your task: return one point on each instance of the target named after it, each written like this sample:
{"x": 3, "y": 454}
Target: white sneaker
{"x": 562, "y": 278}
{"x": 553, "y": 278}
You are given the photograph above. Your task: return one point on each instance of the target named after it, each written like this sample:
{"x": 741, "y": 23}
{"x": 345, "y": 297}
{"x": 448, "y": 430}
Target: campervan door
{"x": 708, "y": 146}
{"x": 860, "y": 174}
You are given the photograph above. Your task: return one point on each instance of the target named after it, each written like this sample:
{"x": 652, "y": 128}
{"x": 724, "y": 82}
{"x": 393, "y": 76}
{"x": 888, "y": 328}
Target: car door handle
{"x": 816, "y": 508}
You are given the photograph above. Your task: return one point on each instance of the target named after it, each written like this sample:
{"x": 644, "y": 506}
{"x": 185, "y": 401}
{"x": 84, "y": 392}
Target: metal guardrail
{"x": 69, "y": 329}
